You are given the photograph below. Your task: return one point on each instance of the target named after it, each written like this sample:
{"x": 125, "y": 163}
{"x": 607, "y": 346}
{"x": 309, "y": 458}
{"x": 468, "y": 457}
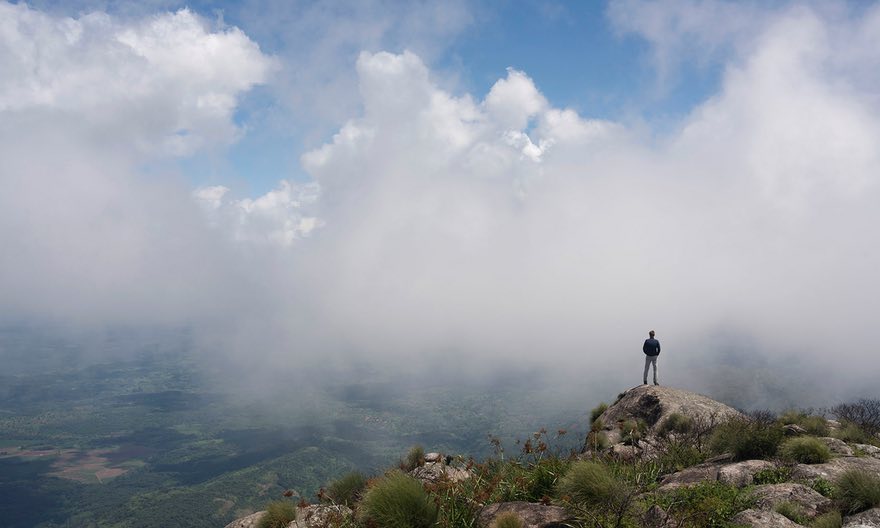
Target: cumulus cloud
{"x": 83, "y": 103}
{"x": 487, "y": 228}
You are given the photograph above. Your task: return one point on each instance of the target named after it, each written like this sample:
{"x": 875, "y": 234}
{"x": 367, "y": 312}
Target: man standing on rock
{"x": 651, "y": 348}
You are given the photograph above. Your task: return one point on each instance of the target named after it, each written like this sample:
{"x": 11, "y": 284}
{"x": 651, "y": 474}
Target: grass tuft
{"x": 588, "y": 483}
{"x": 806, "y": 450}
{"x": 278, "y": 515}
{"x": 746, "y": 439}
{"x": 858, "y": 491}
{"x": 398, "y": 501}
{"x": 347, "y": 489}
{"x": 791, "y": 511}
{"x": 832, "y": 519}
{"x": 507, "y": 520}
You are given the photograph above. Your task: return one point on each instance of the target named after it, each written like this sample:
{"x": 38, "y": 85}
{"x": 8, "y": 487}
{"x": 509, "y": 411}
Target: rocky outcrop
{"x": 762, "y": 519}
{"x": 866, "y": 519}
{"x": 811, "y": 503}
{"x": 832, "y": 469}
{"x": 321, "y": 516}
{"x": 532, "y": 514}
{"x": 738, "y": 474}
{"x": 653, "y": 405}
{"x": 247, "y": 522}
{"x": 433, "y": 472}
{"x": 837, "y": 447}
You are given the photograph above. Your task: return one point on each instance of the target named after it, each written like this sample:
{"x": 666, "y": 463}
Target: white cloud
{"x": 165, "y": 83}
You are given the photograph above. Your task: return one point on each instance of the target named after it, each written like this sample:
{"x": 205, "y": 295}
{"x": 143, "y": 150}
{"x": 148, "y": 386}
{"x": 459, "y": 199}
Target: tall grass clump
{"x": 706, "y": 504}
{"x": 814, "y": 425}
{"x": 278, "y": 515}
{"x": 791, "y": 511}
{"x": 398, "y": 501}
{"x": 806, "y": 450}
{"x": 676, "y": 423}
{"x": 588, "y": 483}
{"x": 414, "y": 458}
{"x": 597, "y": 412}
{"x": 746, "y": 439}
{"x": 832, "y": 519}
{"x": 857, "y": 491}
{"x": 850, "y": 432}
{"x": 347, "y": 489}
{"x": 507, "y": 520}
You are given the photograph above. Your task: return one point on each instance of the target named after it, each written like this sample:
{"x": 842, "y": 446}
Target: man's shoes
{"x": 655, "y": 383}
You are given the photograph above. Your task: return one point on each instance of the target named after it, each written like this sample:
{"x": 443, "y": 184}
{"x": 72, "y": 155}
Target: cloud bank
{"x": 457, "y": 228}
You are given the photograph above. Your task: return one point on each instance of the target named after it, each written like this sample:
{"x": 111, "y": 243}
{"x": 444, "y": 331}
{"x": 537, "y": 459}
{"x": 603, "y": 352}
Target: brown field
{"x": 92, "y": 466}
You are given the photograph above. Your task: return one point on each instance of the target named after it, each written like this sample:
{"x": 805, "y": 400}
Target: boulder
{"x": 739, "y": 474}
{"x": 532, "y": 514}
{"x": 247, "y": 522}
{"x": 656, "y": 517}
{"x": 837, "y": 446}
{"x": 433, "y": 457}
{"x": 762, "y": 519}
{"x": 866, "y": 519}
{"x": 868, "y": 449}
{"x": 433, "y": 472}
{"x": 653, "y": 404}
{"x": 768, "y": 496}
{"x": 793, "y": 430}
{"x": 321, "y": 516}
{"x": 835, "y": 467}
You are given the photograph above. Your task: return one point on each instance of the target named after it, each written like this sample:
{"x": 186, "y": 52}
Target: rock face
{"x": 811, "y": 502}
{"x": 738, "y": 474}
{"x": 320, "y": 516}
{"x": 836, "y": 467}
{"x": 433, "y": 472}
{"x": 763, "y": 519}
{"x": 653, "y": 405}
{"x": 247, "y": 522}
{"x": 532, "y": 514}
{"x": 866, "y": 519}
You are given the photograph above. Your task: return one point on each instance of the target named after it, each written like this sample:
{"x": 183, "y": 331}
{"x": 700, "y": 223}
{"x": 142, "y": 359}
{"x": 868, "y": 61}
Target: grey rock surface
{"x": 763, "y": 519}
{"x": 812, "y": 503}
{"x": 247, "y": 522}
{"x": 653, "y": 404}
{"x": 866, "y": 519}
{"x": 737, "y": 473}
{"x": 433, "y": 472}
{"x": 320, "y": 516}
{"x": 837, "y": 447}
{"x": 832, "y": 469}
{"x": 533, "y": 514}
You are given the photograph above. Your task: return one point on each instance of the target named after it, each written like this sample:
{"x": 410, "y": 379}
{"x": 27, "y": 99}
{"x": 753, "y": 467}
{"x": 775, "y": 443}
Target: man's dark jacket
{"x": 651, "y": 347}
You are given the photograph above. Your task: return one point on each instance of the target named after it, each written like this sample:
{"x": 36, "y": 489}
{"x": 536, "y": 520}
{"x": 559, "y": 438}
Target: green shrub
{"x": 507, "y": 520}
{"x": 414, "y": 459}
{"x": 814, "y": 425}
{"x": 597, "y": 411}
{"x": 398, "y": 501}
{"x": 791, "y": 511}
{"x": 597, "y": 440}
{"x": 823, "y": 487}
{"x": 707, "y": 504}
{"x": 858, "y": 491}
{"x": 676, "y": 423}
{"x": 347, "y": 489}
{"x": 832, "y": 519}
{"x": 746, "y": 439}
{"x": 865, "y": 413}
{"x": 278, "y": 515}
{"x": 631, "y": 432}
{"x": 589, "y": 483}
{"x": 806, "y": 450}
{"x": 850, "y": 432}
{"x": 776, "y": 475}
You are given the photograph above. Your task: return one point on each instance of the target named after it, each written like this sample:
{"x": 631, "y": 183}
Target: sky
{"x": 483, "y": 183}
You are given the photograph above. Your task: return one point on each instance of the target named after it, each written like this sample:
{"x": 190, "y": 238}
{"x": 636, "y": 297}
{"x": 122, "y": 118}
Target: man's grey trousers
{"x": 650, "y": 360}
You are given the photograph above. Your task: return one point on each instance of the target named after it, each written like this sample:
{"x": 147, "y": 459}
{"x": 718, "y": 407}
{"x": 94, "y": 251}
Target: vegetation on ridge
{"x": 600, "y": 489}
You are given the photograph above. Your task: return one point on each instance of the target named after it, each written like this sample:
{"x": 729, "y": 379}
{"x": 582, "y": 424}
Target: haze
{"x": 312, "y": 184}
